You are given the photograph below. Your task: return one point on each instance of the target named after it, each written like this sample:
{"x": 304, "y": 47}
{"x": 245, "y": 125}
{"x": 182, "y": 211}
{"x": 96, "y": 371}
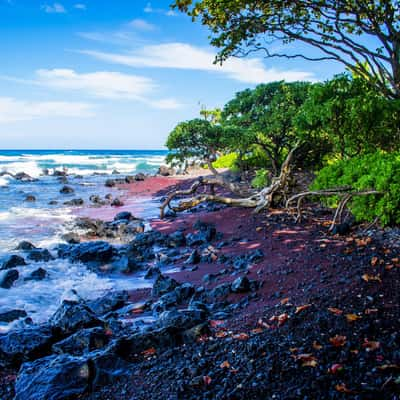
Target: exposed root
{"x": 258, "y": 200}
{"x": 345, "y": 193}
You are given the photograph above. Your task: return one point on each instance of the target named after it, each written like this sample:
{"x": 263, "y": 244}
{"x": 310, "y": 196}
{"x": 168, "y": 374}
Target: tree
{"x": 197, "y": 138}
{"x": 352, "y": 116}
{"x": 363, "y": 35}
{"x": 264, "y": 118}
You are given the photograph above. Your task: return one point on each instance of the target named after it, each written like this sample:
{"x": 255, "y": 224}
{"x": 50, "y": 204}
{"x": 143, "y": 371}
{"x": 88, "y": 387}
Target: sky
{"x": 115, "y": 74}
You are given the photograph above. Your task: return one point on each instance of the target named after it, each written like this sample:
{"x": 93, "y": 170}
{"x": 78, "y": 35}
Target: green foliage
{"x": 336, "y": 30}
{"x": 379, "y": 171}
{"x": 225, "y": 161}
{"x": 350, "y": 117}
{"x": 197, "y": 138}
{"x": 261, "y": 179}
{"x": 263, "y": 118}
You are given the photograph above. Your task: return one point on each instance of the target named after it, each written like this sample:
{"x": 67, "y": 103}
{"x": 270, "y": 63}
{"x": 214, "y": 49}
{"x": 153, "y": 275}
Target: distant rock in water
{"x": 66, "y": 190}
{"x": 117, "y": 202}
{"x": 37, "y": 275}
{"x": 74, "y": 202}
{"x": 40, "y": 255}
{"x": 25, "y": 246}
{"x": 12, "y": 262}
{"x": 30, "y": 198}
{"x": 12, "y": 315}
{"x": 8, "y": 278}
{"x": 164, "y": 170}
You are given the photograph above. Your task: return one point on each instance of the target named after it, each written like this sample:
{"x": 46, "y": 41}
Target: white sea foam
{"x": 40, "y": 299}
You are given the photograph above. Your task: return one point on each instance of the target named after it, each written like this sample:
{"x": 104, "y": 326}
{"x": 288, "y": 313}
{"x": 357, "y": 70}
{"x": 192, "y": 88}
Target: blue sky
{"x": 114, "y": 74}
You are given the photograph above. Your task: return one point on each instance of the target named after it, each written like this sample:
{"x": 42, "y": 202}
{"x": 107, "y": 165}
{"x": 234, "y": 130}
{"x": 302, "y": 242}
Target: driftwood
{"x": 345, "y": 193}
{"x": 257, "y": 200}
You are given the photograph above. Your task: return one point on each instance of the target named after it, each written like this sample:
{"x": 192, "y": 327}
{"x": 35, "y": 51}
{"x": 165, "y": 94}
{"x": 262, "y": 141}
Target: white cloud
{"x": 80, "y": 6}
{"x": 12, "y": 110}
{"x": 103, "y": 84}
{"x": 188, "y": 57}
{"x": 142, "y": 25}
{"x": 55, "y": 8}
{"x": 149, "y": 9}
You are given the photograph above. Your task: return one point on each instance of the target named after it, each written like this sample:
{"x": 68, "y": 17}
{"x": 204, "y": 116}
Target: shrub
{"x": 226, "y": 161}
{"x": 261, "y": 179}
{"x": 379, "y": 171}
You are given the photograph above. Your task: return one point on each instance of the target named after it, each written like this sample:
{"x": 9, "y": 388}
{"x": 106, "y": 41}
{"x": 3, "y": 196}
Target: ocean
{"x": 42, "y": 221}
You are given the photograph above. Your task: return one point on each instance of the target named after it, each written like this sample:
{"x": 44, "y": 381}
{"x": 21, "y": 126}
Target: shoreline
{"x": 266, "y": 282}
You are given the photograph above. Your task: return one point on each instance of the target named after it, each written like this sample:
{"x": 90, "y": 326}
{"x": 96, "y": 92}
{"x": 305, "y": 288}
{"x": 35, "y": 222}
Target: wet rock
{"x": 53, "y": 202}
{"x": 194, "y": 257}
{"x": 165, "y": 302}
{"x": 30, "y": 198}
{"x": 140, "y": 177}
{"x": 53, "y": 378}
{"x": 40, "y": 255}
{"x": 109, "y": 302}
{"x": 115, "y": 172}
{"x": 162, "y": 285}
{"x": 165, "y": 171}
{"x": 124, "y": 216}
{"x": 152, "y": 272}
{"x": 255, "y": 256}
{"x": 12, "y": 315}
{"x": 240, "y": 285}
{"x": 37, "y": 275}
{"x": 99, "y": 251}
{"x": 23, "y": 177}
{"x": 130, "y": 179}
{"x": 67, "y": 190}
{"x": 185, "y": 291}
{"x": 110, "y": 183}
{"x": 206, "y": 234}
{"x": 117, "y": 202}
{"x": 82, "y": 342}
{"x": 71, "y": 238}
{"x": 74, "y": 202}
{"x": 73, "y": 315}
{"x": 59, "y": 173}
{"x": 220, "y": 291}
{"x": 176, "y": 239}
{"x": 25, "y": 246}
{"x": 8, "y": 278}
{"x": 181, "y": 319}
{"x": 96, "y": 199}
{"x": 12, "y": 262}
{"x": 28, "y": 343}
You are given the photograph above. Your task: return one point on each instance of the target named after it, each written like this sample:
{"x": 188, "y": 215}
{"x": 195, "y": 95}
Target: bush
{"x": 379, "y": 171}
{"x": 226, "y": 161}
{"x": 261, "y": 179}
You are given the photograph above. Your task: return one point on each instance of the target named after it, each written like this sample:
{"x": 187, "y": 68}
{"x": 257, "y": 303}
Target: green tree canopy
{"x": 197, "y": 138}
{"x": 364, "y": 35}
{"x": 352, "y": 116}
{"x": 264, "y": 118}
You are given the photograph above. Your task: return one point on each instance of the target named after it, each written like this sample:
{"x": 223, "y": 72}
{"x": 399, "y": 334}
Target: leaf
{"x": 342, "y": 388}
{"x": 224, "y": 365}
{"x": 317, "y": 346}
{"x": 302, "y": 308}
{"x": 371, "y": 311}
{"x": 241, "y": 336}
{"x": 149, "y": 352}
{"x": 256, "y": 331}
{"x": 282, "y": 318}
{"x": 371, "y": 345}
{"x": 285, "y": 300}
{"x": 214, "y": 323}
{"x": 352, "y": 317}
{"x": 221, "y": 334}
{"x": 335, "y": 311}
{"x": 374, "y": 261}
{"x": 259, "y": 229}
{"x": 363, "y": 242}
{"x": 207, "y": 380}
{"x": 335, "y": 369}
{"x": 306, "y": 359}
{"x": 388, "y": 367}
{"x": 338, "y": 341}
{"x": 372, "y": 278}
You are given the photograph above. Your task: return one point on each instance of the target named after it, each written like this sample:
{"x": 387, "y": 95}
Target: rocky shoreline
{"x": 242, "y": 306}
